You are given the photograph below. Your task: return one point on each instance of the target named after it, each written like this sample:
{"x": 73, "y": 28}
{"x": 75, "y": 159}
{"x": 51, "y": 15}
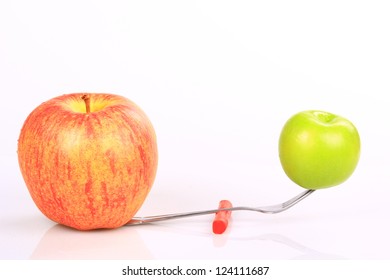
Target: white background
{"x": 218, "y": 79}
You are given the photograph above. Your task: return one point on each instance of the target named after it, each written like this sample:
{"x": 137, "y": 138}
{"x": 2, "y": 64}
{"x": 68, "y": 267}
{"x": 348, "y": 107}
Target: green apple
{"x": 318, "y": 149}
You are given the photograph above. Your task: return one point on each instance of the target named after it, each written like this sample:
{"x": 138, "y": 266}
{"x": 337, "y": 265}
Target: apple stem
{"x": 87, "y": 101}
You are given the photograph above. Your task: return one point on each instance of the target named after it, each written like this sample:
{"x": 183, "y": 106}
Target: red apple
{"x": 88, "y": 160}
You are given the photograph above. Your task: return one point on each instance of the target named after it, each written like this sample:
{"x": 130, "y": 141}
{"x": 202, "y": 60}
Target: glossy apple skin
{"x": 318, "y": 149}
{"x": 88, "y": 170}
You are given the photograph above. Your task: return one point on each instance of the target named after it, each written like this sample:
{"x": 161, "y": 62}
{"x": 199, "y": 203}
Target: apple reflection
{"x": 63, "y": 243}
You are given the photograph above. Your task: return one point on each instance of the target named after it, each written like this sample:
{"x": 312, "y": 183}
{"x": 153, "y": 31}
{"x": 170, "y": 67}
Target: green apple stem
{"x": 87, "y": 101}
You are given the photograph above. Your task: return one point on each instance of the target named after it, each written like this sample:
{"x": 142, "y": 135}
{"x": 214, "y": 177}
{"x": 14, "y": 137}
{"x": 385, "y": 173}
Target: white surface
{"x": 218, "y": 80}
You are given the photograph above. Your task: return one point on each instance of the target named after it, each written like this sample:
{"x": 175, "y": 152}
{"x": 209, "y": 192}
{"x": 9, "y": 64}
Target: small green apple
{"x": 318, "y": 149}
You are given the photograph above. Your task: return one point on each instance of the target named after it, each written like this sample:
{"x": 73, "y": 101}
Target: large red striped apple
{"x": 88, "y": 160}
